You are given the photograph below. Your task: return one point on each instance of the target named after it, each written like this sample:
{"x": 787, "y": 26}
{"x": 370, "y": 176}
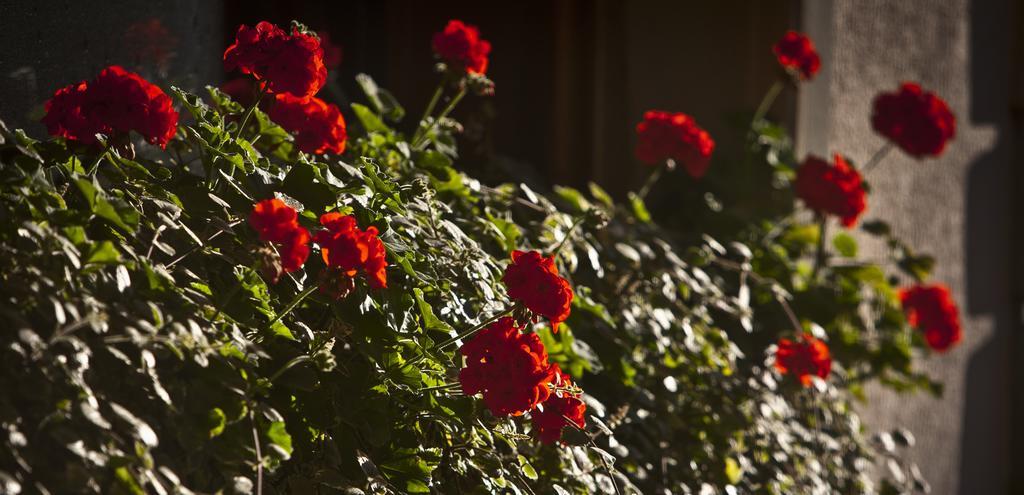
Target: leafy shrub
{"x": 148, "y": 349}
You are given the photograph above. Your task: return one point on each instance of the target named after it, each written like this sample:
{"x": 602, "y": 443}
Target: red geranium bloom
{"x": 332, "y": 51}
{"x": 533, "y": 280}
{"x": 551, "y": 415}
{"x": 287, "y": 63}
{"x": 276, "y": 222}
{"x": 918, "y": 121}
{"x": 664, "y": 135}
{"x": 347, "y": 248}
{"x": 115, "y": 103}
{"x": 831, "y": 189}
{"x": 931, "y": 310}
{"x": 796, "y": 52}
{"x": 318, "y": 126}
{"x": 460, "y": 46}
{"x": 803, "y": 359}
{"x": 508, "y": 367}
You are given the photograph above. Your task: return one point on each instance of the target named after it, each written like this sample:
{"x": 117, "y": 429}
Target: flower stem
{"x": 465, "y": 334}
{"x": 649, "y": 183}
{"x": 444, "y": 386}
{"x": 568, "y": 234}
{"x": 766, "y": 102}
{"x": 295, "y": 302}
{"x": 289, "y": 365}
{"x": 96, "y": 165}
{"x": 876, "y": 158}
{"x": 429, "y": 110}
{"x": 819, "y": 254}
{"x": 264, "y": 88}
{"x": 444, "y": 113}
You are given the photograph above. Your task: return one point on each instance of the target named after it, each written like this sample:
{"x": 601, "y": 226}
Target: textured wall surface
{"x": 48, "y": 44}
{"x": 957, "y": 206}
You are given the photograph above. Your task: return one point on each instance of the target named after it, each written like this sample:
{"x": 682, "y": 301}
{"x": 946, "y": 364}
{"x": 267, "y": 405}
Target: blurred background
{"x": 573, "y": 78}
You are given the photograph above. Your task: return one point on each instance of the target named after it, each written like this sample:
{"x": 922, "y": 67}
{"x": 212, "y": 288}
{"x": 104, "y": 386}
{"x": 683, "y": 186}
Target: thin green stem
{"x": 465, "y": 334}
{"x": 259, "y": 453}
{"x": 295, "y": 302}
{"x": 819, "y": 254}
{"x": 766, "y": 102}
{"x": 568, "y": 234}
{"x": 445, "y": 386}
{"x": 289, "y": 365}
{"x": 444, "y": 113}
{"x": 429, "y": 110}
{"x": 96, "y": 165}
{"x": 876, "y": 158}
{"x": 264, "y": 88}
{"x": 651, "y": 180}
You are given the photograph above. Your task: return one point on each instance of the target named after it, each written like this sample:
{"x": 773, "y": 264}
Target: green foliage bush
{"x": 143, "y": 352}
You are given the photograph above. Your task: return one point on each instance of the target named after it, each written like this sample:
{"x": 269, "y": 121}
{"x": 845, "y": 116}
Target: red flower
{"x": 803, "y": 359}
{"x": 796, "y": 53}
{"x": 664, "y": 135}
{"x": 460, "y": 46}
{"x": 347, "y": 248}
{"x": 832, "y": 189}
{"x": 917, "y": 121}
{"x": 931, "y": 310}
{"x": 508, "y": 367}
{"x": 552, "y": 415}
{"x": 533, "y": 280}
{"x": 277, "y": 223}
{"x": 318, "y": 126}
{"x": 115, "y": 103}
{"x": 292, "y": 64}
{"x": 332, "y": 51}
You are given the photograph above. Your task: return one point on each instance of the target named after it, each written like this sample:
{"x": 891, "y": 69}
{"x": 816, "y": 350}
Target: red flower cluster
{"x": 796, "y": 53}
{"x": 114, "y": 103}
{"x": 550, "y": 416}
{"x": 460, "y": 46}
{"x": 833, "y": 189}
{"x": 346, "y": 247}
{"x": 931, "y": 310}
{"x": 292, "y": 64}
{"x": 803, "y": 359}
{"x": 278, "y": 223}
{"x": 508, "y": 367}
{"x": 318, "y": 126}
{"x": 533, "y": 280}
{"x": 665, "y": 135}
{"x": 242, "y": 90}
{"x": 918, "y": 121}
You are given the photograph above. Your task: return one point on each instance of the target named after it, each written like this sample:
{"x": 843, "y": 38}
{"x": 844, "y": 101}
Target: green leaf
{"x": 279, "y": 437}
{"x": 383, "y": 102}
{"x": 215, "y": 422}
{"x": 371, "y": 122}
{"x": 601, "y": 195}
{"x": 302, "y": 184}
{"x": 103, "y": 252}
{"x": 732, "y": 471}
{"x": 876, "y": 227}
{"x": 430, "y": 320}
{"x": 575, "y": 199}
{"x": 527, "y": 469}
{"x": 845, "y": 244}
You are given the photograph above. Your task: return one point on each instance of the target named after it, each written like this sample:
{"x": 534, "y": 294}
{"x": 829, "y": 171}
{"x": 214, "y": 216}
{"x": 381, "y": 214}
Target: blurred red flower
{"x": 287, "y": 63}
{"x": 460, "y": 46}
{"x": 831, "y": 189}
{"x": 318, "y": 126}
{"x": 114, "y": 103}
{"x": 664, "y": 135}
{"x": 347, "y": 248}
{"x": 508, "y": 367}
{"x": 931, "y": 310}
{"x": 332, "y": 51}
{"x": 804, "y": 358}
{"x": 550, "y": 416}
{"x": 533, "y": 280}
{"x": 918, "y": 121}
{"x": 796, "y": 53}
